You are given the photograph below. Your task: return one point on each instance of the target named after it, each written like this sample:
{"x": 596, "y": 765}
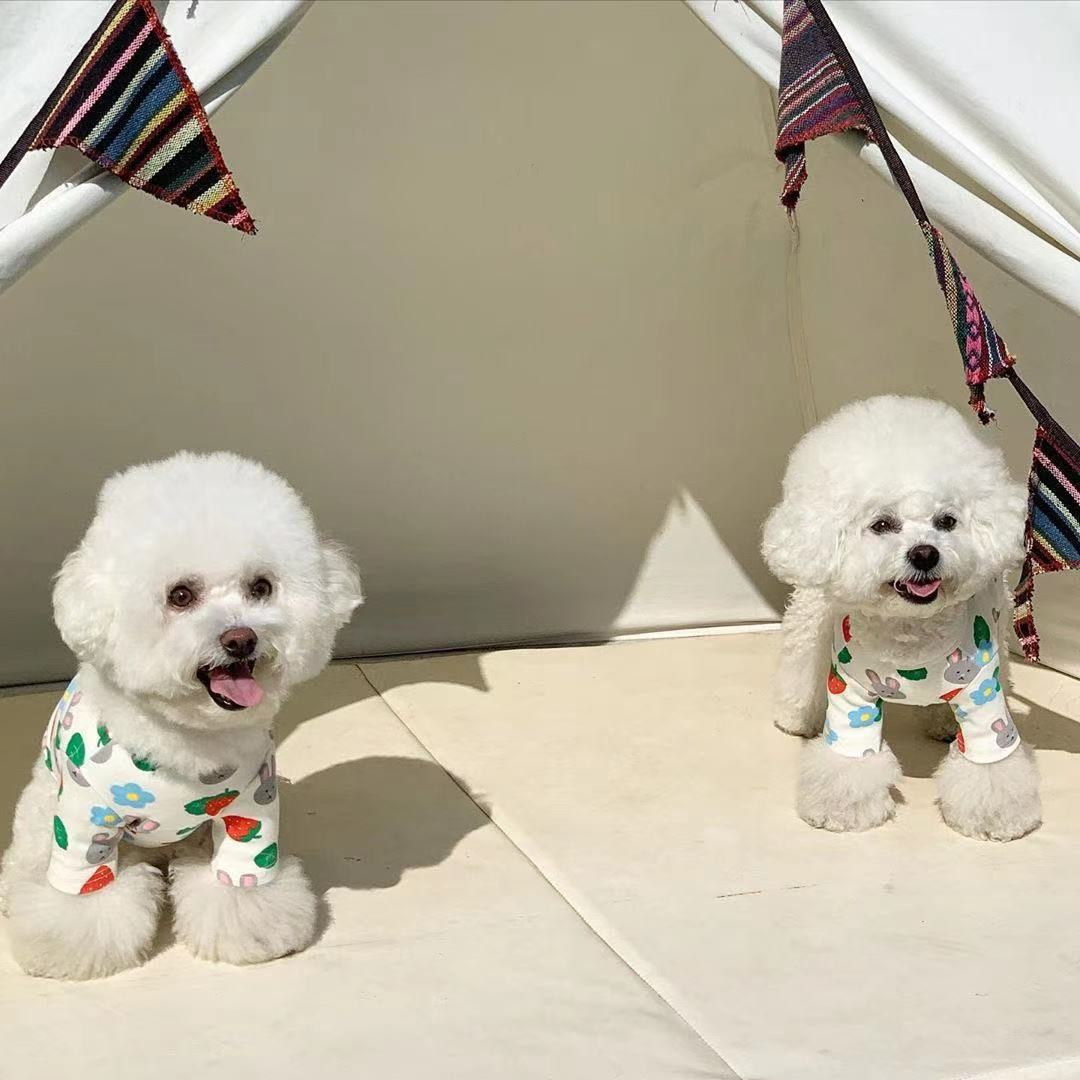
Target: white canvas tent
{"x": 526, "y": 324}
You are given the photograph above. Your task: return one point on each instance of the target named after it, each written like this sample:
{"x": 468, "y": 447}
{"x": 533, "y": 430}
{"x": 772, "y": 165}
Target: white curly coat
{"x": 912, "y": 461}
{"x": 213, "y": 521}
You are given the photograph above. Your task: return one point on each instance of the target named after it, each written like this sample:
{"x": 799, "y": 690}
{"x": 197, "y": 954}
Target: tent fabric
{"x": 992, "y": 166}
{"x": 51, "y": 193}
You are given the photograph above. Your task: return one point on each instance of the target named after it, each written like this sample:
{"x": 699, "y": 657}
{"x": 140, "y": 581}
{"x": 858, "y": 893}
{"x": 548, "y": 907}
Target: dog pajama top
{"x": 967, "y": 678}
{"x": 104, "y": 795}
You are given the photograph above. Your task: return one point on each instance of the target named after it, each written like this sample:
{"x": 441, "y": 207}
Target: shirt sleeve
{"x": 246, "y": 834}
{"x": 852, "y": 716}
{"x": 987, "y": 732}
{"x": 86, "y": 832}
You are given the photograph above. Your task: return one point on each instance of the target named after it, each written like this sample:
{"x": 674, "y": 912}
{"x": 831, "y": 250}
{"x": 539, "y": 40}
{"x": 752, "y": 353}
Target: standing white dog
{"x": 895, "y": 529}
{"x": 199, "y": 596}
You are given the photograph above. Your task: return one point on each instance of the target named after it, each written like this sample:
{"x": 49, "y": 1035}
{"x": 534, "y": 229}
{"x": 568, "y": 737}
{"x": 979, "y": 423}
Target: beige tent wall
{"x": 522, "y": 323}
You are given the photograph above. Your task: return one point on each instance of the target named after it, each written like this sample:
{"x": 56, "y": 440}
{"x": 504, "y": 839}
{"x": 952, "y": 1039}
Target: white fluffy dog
{"x": 895, "y": 529}
{"x": 199, "y": 596}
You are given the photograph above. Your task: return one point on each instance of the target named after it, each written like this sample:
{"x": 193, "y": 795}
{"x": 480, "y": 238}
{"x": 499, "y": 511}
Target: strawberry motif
{"x": 101, "y": 877}
{"x": 845, "y": 627}
{"x": 836, "y": 683}
{"x": 211, "y": 805}
{"x": 242, "y": 828}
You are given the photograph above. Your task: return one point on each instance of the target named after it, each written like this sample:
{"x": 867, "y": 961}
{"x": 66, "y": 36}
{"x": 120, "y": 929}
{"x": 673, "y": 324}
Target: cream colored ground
{"x": 642, "y": 901}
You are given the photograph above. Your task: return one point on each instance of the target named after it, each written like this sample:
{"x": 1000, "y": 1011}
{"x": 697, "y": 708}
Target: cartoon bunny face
{"x": 887, "y": 688}
{"x": 101, "y": 847}
{"x": 267, "y": 790}
{"x": 962, "y": 669}
{"x": 1006, "y": 731}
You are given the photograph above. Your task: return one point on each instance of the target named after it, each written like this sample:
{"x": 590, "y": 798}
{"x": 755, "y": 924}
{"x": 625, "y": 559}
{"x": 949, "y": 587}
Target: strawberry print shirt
{"x": 105, "y": 796}
{"x": 967, "y": 677}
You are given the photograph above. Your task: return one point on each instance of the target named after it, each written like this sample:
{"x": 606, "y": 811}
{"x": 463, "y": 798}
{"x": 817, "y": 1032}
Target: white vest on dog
{"x": 104, "y": 795}
{"x": 967, "y": 678}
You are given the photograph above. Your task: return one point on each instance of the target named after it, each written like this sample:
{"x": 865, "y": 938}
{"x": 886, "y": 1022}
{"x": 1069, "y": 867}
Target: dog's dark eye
{"x": 884, "y": 525}
{"x": 945, "y": 523}
{"x": 261, "y": 588}
{"x": 181, "y": 596}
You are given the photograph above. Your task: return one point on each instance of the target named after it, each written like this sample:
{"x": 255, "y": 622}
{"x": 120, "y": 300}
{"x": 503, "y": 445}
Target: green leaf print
{"x": 143, "y": 763}
{"x": 60, "y": 833}
{"x": 844, "y": 655}
{"x": 982, "y": 632}
{"x": 56, "y": 741}
{"x": 997, "y": 678}
{"x": 48, "y": 759}
{"x": 103, "y": 735}
{"x": 914, "y": 674}
{"x": 267, "y": 857}
{"x": 76, "y": 750}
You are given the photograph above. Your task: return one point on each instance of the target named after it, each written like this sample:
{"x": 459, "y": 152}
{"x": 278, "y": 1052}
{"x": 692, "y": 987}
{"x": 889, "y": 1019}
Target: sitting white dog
{"x": 895, "y": 529}
{"x": 199, "y": 596}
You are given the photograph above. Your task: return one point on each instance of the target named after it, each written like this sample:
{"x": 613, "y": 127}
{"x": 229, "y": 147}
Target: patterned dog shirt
{"x": 104, "y": 795}
{"x": 967, "y": 678}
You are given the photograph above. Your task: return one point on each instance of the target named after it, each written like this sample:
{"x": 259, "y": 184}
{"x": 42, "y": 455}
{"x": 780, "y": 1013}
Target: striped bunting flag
{"x": 985, "y": 355}
{"x": 815, "y": 97}
{"x": 126, "y": 102}
{"x": 1053, "y": 525}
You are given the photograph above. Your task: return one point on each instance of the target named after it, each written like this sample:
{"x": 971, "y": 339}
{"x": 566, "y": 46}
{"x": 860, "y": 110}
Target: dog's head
{"x": 202, "y": 586}
{"x": 895, "y": 505}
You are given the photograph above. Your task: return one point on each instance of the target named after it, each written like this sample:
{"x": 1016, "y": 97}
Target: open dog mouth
{"x": 232, "y": 686}
{"x": 922, "y": 591}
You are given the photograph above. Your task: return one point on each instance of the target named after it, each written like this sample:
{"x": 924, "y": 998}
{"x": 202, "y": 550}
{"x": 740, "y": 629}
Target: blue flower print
{"x": 830, "y": 735}
{"x": 102, "y": 815}
{"x": 131, "y": 795}
{"x": 865, "y": 715}
{"x": 983, "y": 655}
{"x": 987, "y": 691}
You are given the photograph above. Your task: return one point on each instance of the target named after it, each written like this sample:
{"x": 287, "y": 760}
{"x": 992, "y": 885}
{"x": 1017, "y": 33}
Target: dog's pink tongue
{"x": 241, "y": 688}
{"x": 925, "y": 588}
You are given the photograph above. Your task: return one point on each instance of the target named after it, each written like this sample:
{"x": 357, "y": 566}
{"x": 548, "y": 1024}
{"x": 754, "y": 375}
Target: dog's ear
{"x": 998, "y": 518}
{"x": 801, "y": 542}
{"x": 82, "y": 609}
{"x": 342, "y": 579}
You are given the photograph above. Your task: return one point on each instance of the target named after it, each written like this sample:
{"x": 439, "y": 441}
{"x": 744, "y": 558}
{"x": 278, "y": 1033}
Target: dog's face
{"x": 894, "y": 505}
{"x": 203, "y": 588}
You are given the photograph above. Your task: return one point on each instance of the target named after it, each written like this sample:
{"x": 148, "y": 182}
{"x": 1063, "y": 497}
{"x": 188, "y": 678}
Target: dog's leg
{"x": 85, "y": 937}
{"x": 994, "y": 801}
{"x": 241, "y": 925}
{"x": 940, "y": 724}
{"x": 27, "y": 857}
{"x": 846, "y": 794}
{"x": 800, "y": 679}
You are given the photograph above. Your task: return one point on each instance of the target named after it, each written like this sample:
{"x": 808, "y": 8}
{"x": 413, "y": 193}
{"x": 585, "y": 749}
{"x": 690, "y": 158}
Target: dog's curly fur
{"x": 914, "y": 459}
{"x": 217, "y": 520}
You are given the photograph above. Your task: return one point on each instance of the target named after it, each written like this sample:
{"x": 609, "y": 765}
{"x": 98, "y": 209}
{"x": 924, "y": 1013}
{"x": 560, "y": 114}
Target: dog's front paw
{"x": 241, "y": 925}
{"x": 845, "y": 794}
{"x": 995, "y": 801}
{"x": 61, "y": 936}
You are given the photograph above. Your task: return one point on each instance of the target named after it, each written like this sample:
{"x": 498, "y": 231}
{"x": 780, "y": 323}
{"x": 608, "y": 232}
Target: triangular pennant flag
{"x": 127, "y": 103}
{"x": 815, "y": 97}
{"x": 1052, "y": 539}
{"x": 986, "y": 356}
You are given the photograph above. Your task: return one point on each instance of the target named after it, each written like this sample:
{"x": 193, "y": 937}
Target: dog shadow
{"x": 919, "y": 755}
{"x": 365, "y": 824}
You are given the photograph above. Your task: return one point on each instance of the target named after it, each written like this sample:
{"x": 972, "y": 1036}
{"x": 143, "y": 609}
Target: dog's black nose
{"x": 924, "y": 556}
{"x": 239, "y": 642}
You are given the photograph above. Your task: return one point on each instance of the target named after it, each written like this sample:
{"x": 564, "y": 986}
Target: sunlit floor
{"x": 583, "y": 864}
